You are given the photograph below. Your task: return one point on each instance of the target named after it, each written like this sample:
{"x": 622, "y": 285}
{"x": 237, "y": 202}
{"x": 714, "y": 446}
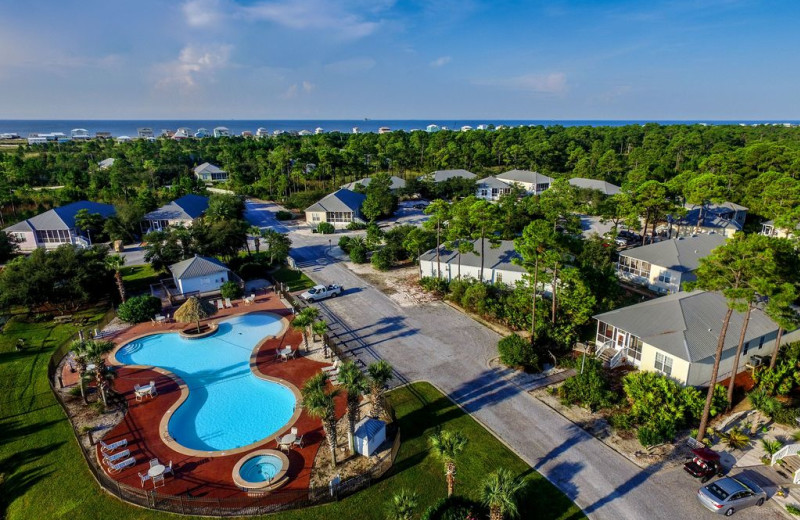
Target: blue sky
{"x": 418, "y": 59}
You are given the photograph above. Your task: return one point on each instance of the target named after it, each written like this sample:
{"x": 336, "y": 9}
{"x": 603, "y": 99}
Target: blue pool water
{"x": 261, "y": 468}
{"x": 228, "y": 406}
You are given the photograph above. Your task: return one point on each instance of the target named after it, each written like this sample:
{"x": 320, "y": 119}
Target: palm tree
{"x": 354, "y": 383}
{"x": 379, "y": 374}
{"x": 255, "y": 232}
{"x": 303, "y": 320}
{"x": 500, "y": 491}
{"x": 194, "y": 310}
{"x": 115, "y": 263}
{"x": 447, "y": 445}
{"x": 92, "y": 352}
{"x": 318, "y": 328}
{"x": 319, "y": 403}
{"x": 402, "y": 506}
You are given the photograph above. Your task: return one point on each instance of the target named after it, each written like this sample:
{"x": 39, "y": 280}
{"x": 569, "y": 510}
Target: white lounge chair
{"x": 228, "y": 303}
{"x": 116, "y": 468}
{"x": 114, "y": 457}
{"x": 144, "y": 477}
{"x": 108, "y": 448}
{"x": 298, "y": 441}
{"x": 333, "y": 369}
{"x": 220, "y": 305}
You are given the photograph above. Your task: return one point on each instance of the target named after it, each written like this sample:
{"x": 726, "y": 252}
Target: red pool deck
{"x": 211, "y": 476}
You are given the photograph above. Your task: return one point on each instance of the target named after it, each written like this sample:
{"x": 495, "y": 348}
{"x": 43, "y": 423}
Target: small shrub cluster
{"x": 325, "y": 228}
{"x": 230, "y": 290}
{"x": 382, "y": 259}
{"x": 356, "y": 225}
{"x": 591, "y": 388}
{"x": 516, "y": 351}
{"x": 772, "y": 407}
{"x": 139, "y": 309}
{"x": 433, "y": 284}
{"x": 284, "y": 215}
{"x": 344, "y": 243}
{"x": 303, "y": 199}
{"x": 453, "y": 508}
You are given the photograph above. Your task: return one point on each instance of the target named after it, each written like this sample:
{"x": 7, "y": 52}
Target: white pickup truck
{"x": 320, "y": 292}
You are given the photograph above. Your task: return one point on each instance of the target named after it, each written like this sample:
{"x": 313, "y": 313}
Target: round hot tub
{"x": 261, "y": 470}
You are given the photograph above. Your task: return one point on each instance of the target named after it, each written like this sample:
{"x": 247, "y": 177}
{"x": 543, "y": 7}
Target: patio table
{"x": 288, "y": 439}
{"x": 156, "y": 470}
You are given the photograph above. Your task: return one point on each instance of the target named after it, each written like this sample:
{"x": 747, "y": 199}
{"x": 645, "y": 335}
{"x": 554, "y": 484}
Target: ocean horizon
{"x": 123, "y": 127}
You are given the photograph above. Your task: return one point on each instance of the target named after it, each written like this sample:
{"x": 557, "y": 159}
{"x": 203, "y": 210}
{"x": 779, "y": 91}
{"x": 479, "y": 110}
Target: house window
{"x": 634, "y": 349}
{"x": 315, "y": 217}
{"x": 665, "y": 277}
{"x": 605, "y": 332}
{"x": 761, "y": 342}
{"x": 484, "y": 193}
{"x": 663, "y": 364}
{"x": 19, "y": 237}
{"x": 499, "y": 278}
{"x": 340, "y": 216}
{"x": 634, "y": 267}
{"x": 744, "y": 349}
{"x": 542, "y": 187}
{"x": 53, "y": 236}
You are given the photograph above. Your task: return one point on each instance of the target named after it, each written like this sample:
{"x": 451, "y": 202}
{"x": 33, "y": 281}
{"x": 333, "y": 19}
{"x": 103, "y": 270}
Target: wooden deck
{"x": 209, "y": 476}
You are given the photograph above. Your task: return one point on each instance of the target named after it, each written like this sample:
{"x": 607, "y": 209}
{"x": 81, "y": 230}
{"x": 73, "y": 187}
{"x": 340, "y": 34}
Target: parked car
{"x": 320, "y": 292}
{"x": 422, "y": 204}
{"x": 730, "y": 494}
{"x": 704, "y": 464}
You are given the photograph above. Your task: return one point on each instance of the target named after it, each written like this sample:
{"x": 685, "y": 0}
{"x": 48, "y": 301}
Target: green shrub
{"x": 433, "y": 284}
{"x": 230, "y": 290}
{"x": 457, "y": 289}
{"x": 516, "y": 351}
{"x": 452, "y": 508}
{"x": 251, "y": 270}
{"x": 326, "y": 228}
{"x": 786, "y": 415}
{"x": 358, "y": 255}
{"x": 139, "y": 308}
{"x": 652, "y": 434}
{"x": 622, "y": 421}
{"x": 382, "y": 259}
{"x": 793, "y": 509}
{"x": 284, "y": 215}
{"x": 355, "y": 226}
{"x": 590, "y": 388}
{"x": 475, "y": 298}
{"x": 303, "y": 199}
{"x": 344, "y": 243}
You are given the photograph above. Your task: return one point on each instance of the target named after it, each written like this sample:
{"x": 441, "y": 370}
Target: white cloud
{"x": 350, "y": 66}
{"x": 308, "y": 86}
{"x": 320, "y": 15}
{"x": 552, "y": 83}
{"x": 305, "y": 87}
{"x": 202, "y": 13}
{"x": 194, "y": 63}
{"x": 440, "y": 62}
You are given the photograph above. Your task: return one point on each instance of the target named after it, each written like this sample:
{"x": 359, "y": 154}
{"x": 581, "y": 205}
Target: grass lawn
{"x": 46, "y": 477}
{"x": 138, "y": 278}
{"x": 296, "y": 280}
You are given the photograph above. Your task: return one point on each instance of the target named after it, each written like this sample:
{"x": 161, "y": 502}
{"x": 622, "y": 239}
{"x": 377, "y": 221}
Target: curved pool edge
{"x": 163, "y": 427}
{"x": 278, "y": 481}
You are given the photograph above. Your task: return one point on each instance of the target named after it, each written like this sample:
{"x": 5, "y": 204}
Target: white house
{"x": 666, "y": 266}
{"x": 222, "y": 131}
{"x": 145, "y": 133}
{"x": 199, "y": 274}
{"x": 182, "y": 133}
{"x": 397, "y": 183}
{"x": 769, "y": 229}
{"x": 606, "y": 188}
{"x": 726, "y": 218}
{"x": 57, "y": 226}
{"x": 179, "y": 212}
{"x": 106, "y": 163}
{"x": 443, "y": 175}
{"x": 498, "y": 265}
{"x": 80, "y": 134}
{"x": 208, "y": 172}
{"x": 432, "y": 128}
{"x": 339, "y": 208}
{"x": 532, "y": 182}
{"x": 201, "y": 133}
{"x": 491, "y": 188}
{"x": 677, "y": 336}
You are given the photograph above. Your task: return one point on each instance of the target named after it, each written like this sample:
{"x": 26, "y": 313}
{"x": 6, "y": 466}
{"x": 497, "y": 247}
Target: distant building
{"x": 145, "y": 133}
{"x": 397, "y": 183}
{"x": 606, "y": 188}
{"x": 466, "y": 128}
{"x": 201, "y": 133}
{"x": 304, "y": 132}
{"x": 180, "y": 212}
{"x": 102, "y": 135}
{"x": 384, "y": 130}
{"x": 482, "y": 127}
{"x": 319, "y": 130}
{"x": 666, "y": 266}
{"x": 262, "y": 132}
{"x": 432, "y": 128}
{"x": 106, "y": 163}
{"x": 726, "y": 218}
{"x": 491, "y": 188}
{"x": 247, "y": 133}
{"x": 57, "y": 226}
{"x": 222, "y": 131}
{"x": 182, "y": 133}
{"x": 356, "y": 130}
{"x": 208, "y": 172}
{"x": 443, "y": 175}
{"x": 769, "y": 229}
{"x": 199, "y": 274}
{"x": 532, "y": 182}
{"x": 339, "y": 208}
{"x": 80, "y": 134}
{"x": 124, "y": 139}
{"x": 498, "y": 263}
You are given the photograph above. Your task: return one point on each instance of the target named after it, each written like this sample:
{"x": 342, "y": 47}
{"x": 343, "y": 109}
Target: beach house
{"x": 180, "y": 212}
{"x": 491, "y": 188}
{"x": 57, "y": 226}
{"x": 532, "y": 182}
{"x": 606, "y": 188}
{"x": 199, "y": 274}
{"x": 339, "y": 208}
{"x": 208, "y": 172}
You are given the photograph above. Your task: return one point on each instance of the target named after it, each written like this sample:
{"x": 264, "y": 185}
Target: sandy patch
{"x": 400, "y": 284}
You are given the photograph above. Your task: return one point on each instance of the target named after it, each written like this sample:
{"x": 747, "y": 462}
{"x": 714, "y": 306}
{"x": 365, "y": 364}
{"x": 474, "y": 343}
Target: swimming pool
{"x": 228, "y": 407}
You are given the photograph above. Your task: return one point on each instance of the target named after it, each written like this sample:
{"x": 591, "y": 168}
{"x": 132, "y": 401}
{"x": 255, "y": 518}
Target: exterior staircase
{"x": 789, "y": 466}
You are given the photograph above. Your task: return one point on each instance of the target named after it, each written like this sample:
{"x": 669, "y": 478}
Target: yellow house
{"x": 677, "y": 335}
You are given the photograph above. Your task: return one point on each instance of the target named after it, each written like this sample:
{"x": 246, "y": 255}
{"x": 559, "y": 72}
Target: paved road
{"x": 435, "y": 343}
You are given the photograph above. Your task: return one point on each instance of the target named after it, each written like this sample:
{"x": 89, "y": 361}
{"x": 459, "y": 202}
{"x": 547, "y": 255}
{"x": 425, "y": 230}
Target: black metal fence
{"x": 245, "y": 505}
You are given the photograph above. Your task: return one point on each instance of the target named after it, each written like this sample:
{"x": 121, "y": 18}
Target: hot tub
{"x": 261, "y": 470}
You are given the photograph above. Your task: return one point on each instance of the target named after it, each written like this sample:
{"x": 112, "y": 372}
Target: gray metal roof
{"x": 687, "y": 324}
{"x": 443, "y": 175}
{"x": 397, "y": 183}
{"x": 207, "y": 167}
{"x": 197, "y": 266}
{"x": 340, "y": 200}
{"x": 188, "y": 207}
{"x": 62, "y": 217}
{"x": 493, "y": 182}
{"x": 106, "y": 163}
{"x": 678, "y": 254}
{"x": 524, "y": 176}
{"x": 594, "y": 184}
{"x": 495, "y": 258}
{"x": 714, "y": 215}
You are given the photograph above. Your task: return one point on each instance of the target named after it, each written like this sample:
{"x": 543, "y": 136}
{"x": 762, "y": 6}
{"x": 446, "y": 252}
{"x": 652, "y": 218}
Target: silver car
{"x": 730, "y": 494}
